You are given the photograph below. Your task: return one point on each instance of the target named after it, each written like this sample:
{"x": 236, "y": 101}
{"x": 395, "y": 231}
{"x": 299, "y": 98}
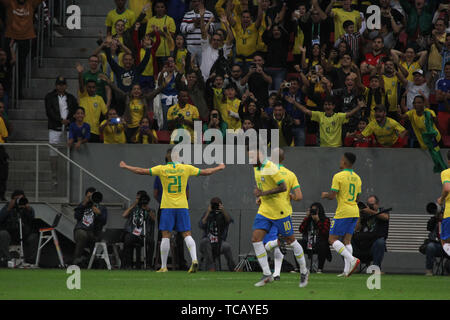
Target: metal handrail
{"x": 71, "y": 162}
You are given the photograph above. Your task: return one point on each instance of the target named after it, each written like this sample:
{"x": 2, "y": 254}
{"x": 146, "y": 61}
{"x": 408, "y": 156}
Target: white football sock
{"x": 349, "y": 249}
{"x": 261, "y": 254}
{"x": 165, "y": 247}
{"x": 299, "y": 255}
{"x": 271, "y": 245}
{"x": 278, "y": 261}
{"x": 447, "y": 248}
{"x": 190, "y": 244}
{"x": 340, "y": 248}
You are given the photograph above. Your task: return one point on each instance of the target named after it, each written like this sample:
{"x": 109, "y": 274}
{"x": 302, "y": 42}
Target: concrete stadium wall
{"x": 403, "y": 179}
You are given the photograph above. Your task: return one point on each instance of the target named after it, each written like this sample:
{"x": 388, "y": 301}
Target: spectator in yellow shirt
{"x": 93, "y": 106}
{"x": 246, "y": 34}
{"x": 340, "y": 15}
{"x": 182, "y": 116}
{"x": 162, "y": 21}
{"x": 120, "y": 13}
{"x": 113, "y": 128}
{"x": 145, "y": 135}
{"x": 229, "y": 108}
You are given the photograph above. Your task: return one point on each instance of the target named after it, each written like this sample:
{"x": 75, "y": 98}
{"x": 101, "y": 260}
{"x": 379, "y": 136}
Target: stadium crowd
{"x": 320, "y": 71}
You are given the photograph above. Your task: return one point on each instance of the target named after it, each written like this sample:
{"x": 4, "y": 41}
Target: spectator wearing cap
{"x": 388, "y": 132}
{"x": 415, "y": 88}
{"x": 60, "y": 107}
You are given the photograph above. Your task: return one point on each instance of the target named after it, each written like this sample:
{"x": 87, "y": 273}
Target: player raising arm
{"x": 345, "y": 188}
{"x": 445, "y": 199}
{"x": 174, "y": 204}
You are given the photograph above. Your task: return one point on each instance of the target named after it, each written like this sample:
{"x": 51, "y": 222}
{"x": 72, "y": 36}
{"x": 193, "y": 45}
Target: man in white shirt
{"x": 60, "y": 107}
{"x": 416, "y": 88}
{"x": 211, "y": 47}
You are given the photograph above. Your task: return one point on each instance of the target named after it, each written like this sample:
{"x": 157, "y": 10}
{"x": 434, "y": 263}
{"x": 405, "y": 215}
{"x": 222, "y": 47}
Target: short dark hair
{"x": 379, "y": 37}
{"x": 350, "y": 157}
{"x": 91, "y": 80}
{"x": 17, "y": 192}
{"x": 80, "y": 108}
{"x": 418, "y": 96}
{"x": 447, "y": 64}
{"x": 329, "y": 99}
{"x": 348, "y": 23}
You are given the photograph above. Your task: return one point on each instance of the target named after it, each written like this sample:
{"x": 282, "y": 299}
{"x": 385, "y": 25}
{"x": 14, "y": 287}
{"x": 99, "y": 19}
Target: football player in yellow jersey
{"x": 271, "y": 239}
{"x": 174, "y": 204}
{"x": 445, "y": 199}
{"x": 345, "y": 188}
{"x": 273, "y": 210}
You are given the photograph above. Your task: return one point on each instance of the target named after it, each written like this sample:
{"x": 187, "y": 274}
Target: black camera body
{"x": 21, "y": 201}
{"x": 314, "y": 211}
{"x": 96, "y": 198}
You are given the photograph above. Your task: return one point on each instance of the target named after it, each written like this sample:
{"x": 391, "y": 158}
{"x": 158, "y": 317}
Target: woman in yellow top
{"x": 409, "y": 61}
{"x": 113, "y": 128}
{"x": 162, "y": 21}
{"x": 136, "y": 105}
{"x": 145, "y": 135}
{"x": 181, "y": 55}
{"x": 229, "y": 108}
{"x": 374, "y": 95}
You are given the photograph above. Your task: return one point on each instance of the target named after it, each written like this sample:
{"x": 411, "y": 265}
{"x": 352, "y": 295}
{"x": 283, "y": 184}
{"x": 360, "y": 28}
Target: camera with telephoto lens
{"x": 95, "y": 199}
{"x": 434, "y": 208}
{"x": 21, "y": 201}
{"x": 144, "y": 200}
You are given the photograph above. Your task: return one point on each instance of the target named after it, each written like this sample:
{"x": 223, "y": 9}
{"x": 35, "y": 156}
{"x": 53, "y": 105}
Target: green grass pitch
{"x": 103, "y": 284}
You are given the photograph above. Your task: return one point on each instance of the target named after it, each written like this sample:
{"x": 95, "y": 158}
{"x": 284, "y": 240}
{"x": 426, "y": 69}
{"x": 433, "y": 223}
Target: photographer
{"x": 215, "y": 224}
{"x": 314, "y": 229}
{"x": 91, "y": 217}
{"x": 372, "y": 229}
{"x": 138, "y": 229}
{"x": 17, "y": 211}
{"x": 432, "y": 246}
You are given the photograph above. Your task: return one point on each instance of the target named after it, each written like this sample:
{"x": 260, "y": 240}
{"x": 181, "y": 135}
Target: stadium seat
{"x": 163, "y": 136}
{"x": 444, "y": 124}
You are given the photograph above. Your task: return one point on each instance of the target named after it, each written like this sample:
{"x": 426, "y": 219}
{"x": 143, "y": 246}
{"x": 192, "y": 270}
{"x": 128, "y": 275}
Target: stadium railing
{"x": 69, "y": 162}
{"x": 406, "y": 231}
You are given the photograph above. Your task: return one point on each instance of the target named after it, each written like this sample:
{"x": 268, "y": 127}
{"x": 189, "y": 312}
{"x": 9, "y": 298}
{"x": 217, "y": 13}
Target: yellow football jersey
{"x": 391, "y": 87}
{"x": 445, "y": 178}
{"x": 93, "y": 106}
{"x": 418, "y": 124}
{"x": 113, "y": 134}
{"x": 347, "y": 184}
{"x": 189, "y": 112}
{"x": 127, "y": 16}
{"x": 410, "y": 68}
{"x": 291, "y": 184}
{"x": 230, "y": 105}
{"x": 268, "y": 177}
{"x": 340, "y": 16}
{"x": 174, "y": 177}
{"x": 246, "y": 40}
{"x": 137, "y": 109}
{"x": 386, "y": 135}
{"x": 330, "y": 128}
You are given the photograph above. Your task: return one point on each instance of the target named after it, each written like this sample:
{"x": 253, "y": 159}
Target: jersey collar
{"x": 349, "y": 170}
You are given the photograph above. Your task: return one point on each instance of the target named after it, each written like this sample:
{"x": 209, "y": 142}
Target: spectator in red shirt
{"x": 365, "y": 142}
{"x": 314, "y": 229}
{"x": 368, "y": 66}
